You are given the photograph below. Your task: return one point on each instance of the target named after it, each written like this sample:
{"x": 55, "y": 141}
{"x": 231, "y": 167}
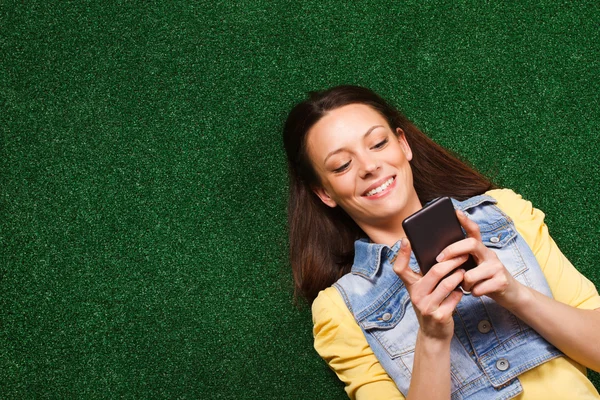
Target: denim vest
{"x": 490, "y": 348}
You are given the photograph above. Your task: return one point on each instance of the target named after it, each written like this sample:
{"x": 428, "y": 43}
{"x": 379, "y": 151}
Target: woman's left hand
{"x": 490, "y": 277}
{"x": 572, "y": 330}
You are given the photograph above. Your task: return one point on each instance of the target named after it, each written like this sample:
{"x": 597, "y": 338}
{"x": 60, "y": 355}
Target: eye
{"x": 342, "y": 168}
{"x": 381, "y": 144}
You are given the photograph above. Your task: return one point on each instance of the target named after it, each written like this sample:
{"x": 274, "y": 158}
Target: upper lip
{"x": 377, "y": 184}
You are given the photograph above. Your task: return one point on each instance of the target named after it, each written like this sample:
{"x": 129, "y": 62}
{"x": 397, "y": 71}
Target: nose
{"x": 369, "y": 165}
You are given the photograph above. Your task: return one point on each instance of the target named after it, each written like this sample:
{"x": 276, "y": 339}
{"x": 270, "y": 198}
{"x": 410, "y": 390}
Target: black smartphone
{"x": 432, "y": 229}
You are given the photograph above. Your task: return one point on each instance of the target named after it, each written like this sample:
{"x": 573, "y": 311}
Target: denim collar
{"x": 369, "y": 256}
{"x": 472, "y": 202}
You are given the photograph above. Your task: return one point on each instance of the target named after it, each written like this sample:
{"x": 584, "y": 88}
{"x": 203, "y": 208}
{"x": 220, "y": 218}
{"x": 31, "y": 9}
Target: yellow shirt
{"x": 342, "y": 344}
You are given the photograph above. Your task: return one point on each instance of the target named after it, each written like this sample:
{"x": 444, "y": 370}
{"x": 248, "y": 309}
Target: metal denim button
{"x": 494, "y": 239}
{"x": 484, "y": 326}
{"x": 502, "y": 364}
{"x": 387, "y": 316}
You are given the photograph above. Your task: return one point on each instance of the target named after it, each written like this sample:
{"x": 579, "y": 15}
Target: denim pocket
{"x": 502, "y": 240}
{"x": 392, "y": 319}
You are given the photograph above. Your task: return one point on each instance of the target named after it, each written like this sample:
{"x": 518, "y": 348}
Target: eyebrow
{"x": 371, "y": 129}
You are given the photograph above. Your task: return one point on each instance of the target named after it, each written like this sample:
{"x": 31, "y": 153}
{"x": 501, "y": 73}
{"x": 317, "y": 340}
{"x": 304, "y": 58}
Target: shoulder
{"x": 512, "y": 203}
{"x": 329, "y": 306}
{"x": 333, "y": 325}
{"x": 333, "y": 322}
{"x": 341, "y": 343}
{"x": 528, "y": 220}
{"x": 567, "y": 284}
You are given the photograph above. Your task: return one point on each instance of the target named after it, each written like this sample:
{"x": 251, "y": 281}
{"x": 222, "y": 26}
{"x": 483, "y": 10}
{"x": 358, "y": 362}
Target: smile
{"x": 380, "y": 188}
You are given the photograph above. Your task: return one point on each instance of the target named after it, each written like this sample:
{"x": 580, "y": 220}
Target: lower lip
{"x": 383, "y": 193}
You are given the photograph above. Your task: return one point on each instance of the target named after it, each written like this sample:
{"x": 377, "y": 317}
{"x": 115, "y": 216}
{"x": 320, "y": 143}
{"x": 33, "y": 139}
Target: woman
{"x": 357, "y": 169}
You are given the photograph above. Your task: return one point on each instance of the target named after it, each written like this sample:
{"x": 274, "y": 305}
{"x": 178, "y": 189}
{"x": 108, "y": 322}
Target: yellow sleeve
{"x": 568, "y": 285}
{"x": 560, "y": 378}
{"x": 342, "y": 344}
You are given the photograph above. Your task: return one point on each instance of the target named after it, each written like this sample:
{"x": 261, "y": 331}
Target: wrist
{"x": 432, "y": 344}
{"x": 522, "y": 298}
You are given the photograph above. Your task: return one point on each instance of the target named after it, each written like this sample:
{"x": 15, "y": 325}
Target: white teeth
{"x": 380, "y": 188}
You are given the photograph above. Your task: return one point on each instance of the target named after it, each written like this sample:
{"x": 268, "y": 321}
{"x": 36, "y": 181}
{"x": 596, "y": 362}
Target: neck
{"x": 390, "y": 230}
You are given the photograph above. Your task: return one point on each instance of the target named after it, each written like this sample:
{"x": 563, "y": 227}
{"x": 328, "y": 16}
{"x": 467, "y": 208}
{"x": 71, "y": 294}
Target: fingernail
{"x": 461, "y": 213}
{"x": 403, "y": 243}
{"x": 440, "y": 257}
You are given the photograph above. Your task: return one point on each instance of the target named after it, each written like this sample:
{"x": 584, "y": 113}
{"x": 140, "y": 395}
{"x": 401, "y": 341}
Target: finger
{"x": 469, "y": 226}
{"x": 483, "y": 272}
{"x": 401, "y": 264}
{"x": 439, "y": 271}
{"x": 465, "y": 247}
{"x": 446, "y": 286}
{"x": 496, "y": 286}
{"x": 443, "y": 313}
{"x": 450, "y": 302}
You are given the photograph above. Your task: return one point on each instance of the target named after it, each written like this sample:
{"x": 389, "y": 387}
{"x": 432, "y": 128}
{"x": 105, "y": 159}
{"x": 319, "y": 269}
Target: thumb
{"x": 401, "y": 264}
{"x": 471, "y": 227}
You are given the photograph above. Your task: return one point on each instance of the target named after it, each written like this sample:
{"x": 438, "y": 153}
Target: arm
{"x": 341, "y": 343}
{"x": 434, "y": 300}
{"x": 575, "y": 331}
{"x": 431, "y": 370}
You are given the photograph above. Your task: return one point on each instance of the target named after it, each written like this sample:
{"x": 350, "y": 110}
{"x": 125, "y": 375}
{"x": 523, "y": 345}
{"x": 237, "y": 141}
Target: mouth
{"x": 383, "y": 188}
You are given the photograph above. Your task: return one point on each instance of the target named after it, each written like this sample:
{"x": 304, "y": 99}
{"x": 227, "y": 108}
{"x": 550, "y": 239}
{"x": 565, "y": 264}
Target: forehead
{"x": 341, "y": 126}
{"x": 349, "y": 118}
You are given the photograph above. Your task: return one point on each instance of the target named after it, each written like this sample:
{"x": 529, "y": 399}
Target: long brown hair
{"x": 322, "y": 238}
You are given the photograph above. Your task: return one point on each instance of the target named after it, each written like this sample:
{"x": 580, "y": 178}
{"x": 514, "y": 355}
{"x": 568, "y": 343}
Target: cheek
{"x": 343, "y": 185}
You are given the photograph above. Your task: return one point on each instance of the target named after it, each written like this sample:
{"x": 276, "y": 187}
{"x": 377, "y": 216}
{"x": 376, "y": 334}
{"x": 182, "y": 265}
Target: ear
{"x": 324, "y": 196}
{"x": 404, "y": 143}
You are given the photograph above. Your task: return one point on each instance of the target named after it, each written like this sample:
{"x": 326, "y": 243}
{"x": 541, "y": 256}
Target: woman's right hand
{"x": 433, "y": 303}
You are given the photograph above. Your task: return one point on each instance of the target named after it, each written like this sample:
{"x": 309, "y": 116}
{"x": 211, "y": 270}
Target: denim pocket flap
{"x": 393, "y": 324}
{"x": 498, "y": 237}
{"x": 386, "y": 314}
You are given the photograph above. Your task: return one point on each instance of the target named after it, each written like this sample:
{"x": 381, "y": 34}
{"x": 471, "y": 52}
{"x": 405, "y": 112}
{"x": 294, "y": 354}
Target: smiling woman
{"x": 357, "y": 169}
{"x": 324, "y": 236}
{"x": 367, "y": 174}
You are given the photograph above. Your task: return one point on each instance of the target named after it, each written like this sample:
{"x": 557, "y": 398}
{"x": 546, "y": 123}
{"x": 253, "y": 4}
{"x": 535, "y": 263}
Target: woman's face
{"x": 363, "y": 165}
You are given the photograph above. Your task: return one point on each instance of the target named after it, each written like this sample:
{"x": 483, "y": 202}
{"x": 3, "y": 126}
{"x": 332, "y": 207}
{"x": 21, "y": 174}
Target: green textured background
{"x": 143, "y": 184}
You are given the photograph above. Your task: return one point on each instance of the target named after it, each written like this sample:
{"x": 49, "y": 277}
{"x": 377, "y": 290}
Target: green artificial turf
{"x": 143, "y": 183}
